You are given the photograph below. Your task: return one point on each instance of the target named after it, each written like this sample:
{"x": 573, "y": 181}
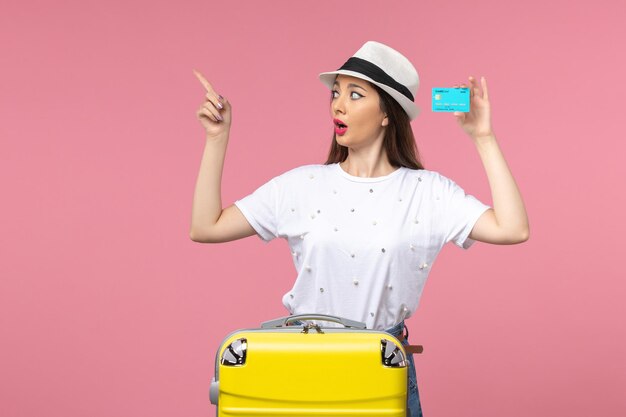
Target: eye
{"x": 358, "y": 96}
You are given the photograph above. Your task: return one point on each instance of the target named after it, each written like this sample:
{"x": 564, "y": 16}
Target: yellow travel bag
{"x": 306, "y": 369}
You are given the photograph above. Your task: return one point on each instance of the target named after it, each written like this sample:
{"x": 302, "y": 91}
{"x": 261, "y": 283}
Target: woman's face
{"x": 356, "y": 104}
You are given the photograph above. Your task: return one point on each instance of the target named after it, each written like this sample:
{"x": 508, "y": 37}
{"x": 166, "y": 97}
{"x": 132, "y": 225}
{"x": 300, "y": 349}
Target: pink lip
{"x": 340, "y": 130}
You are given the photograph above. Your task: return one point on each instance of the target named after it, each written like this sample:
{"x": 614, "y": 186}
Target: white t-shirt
{"x": 362, "y": 247}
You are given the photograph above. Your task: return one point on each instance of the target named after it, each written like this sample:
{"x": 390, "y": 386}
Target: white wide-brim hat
{"x": 384, "y": 67}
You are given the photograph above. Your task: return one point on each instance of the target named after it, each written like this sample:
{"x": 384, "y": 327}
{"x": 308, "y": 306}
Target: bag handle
{"x": 283, "y": 321}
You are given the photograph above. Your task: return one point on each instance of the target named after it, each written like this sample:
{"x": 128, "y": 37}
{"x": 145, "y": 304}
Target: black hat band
{"x": 375, "y": 73}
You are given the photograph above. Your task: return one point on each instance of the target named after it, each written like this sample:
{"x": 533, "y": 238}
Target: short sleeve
{"x": 460, "y": 213}
{"x": 259, "y": 208}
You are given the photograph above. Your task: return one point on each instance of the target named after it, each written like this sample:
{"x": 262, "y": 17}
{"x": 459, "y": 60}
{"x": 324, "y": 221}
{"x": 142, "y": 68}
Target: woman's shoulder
{"x": 424, "y": 173}
{"x": 430, "y": 177}
{"x": 306, "y": 170}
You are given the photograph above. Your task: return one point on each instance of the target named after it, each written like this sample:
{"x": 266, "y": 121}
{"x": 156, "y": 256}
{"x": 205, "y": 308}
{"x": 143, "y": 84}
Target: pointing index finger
{"x": 207, "y": 85}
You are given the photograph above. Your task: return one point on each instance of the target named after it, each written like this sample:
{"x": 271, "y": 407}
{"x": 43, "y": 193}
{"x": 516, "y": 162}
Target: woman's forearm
{"x": 207, "y": 199}
{"x": 508, "y": 204}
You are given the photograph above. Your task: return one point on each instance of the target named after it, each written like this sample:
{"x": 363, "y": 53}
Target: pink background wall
{"x": 107, "y": 308}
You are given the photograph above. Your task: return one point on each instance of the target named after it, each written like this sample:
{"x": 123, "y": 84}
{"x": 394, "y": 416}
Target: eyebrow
{"x": 350, "y": 85}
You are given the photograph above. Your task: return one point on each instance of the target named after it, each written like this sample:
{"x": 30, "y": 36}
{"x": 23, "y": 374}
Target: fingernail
{"x": 219, "y": 105}
{"x": 221, "y": 98}
{"x": 219, "y": 117}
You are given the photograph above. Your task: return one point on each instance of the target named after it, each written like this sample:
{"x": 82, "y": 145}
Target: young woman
{"x": 365, "y": 227}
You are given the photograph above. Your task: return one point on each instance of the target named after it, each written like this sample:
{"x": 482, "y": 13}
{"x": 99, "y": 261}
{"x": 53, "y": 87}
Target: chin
{"x": 341, "y": 140}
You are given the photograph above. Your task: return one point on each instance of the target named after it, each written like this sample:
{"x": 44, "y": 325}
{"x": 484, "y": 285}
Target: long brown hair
{"x": 399, "y": 141}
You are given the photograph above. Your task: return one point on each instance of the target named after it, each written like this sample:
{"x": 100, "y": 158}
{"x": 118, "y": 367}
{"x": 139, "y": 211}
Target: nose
{"x": 338, "y": 104}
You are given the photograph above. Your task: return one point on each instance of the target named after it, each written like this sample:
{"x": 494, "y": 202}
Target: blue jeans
{"x": 414, "y": 407}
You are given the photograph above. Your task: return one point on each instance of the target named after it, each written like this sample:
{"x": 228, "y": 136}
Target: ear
{"x": 385, "y": 121}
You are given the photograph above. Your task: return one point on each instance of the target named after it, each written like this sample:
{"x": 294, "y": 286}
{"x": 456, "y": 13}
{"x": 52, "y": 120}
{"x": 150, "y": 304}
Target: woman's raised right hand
{"x": 215, "y": 112}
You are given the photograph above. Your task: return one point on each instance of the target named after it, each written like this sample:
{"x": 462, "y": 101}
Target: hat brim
{"x": 328, "y": 79}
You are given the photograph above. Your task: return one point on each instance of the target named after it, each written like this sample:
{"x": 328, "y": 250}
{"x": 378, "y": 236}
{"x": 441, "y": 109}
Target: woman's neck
{"x": 367, "y": 166}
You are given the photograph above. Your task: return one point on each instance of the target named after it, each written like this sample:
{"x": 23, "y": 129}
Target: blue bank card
{"x": 451, "y": 99}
